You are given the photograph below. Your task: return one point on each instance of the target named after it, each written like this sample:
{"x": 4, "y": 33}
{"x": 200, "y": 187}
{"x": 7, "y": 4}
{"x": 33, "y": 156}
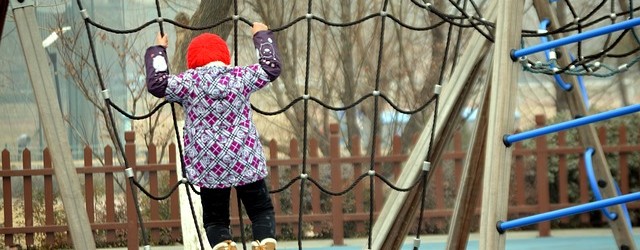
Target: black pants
{"x": 257, "y": 202}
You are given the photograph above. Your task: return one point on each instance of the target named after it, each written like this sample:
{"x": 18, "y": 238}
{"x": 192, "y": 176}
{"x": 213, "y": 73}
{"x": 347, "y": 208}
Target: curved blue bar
{"x": 560, "y": 82}
{"x": 575, "y": 38}
{"x": 510, "y": 139}
{"x": 543, "y": 25}
{"x": 582, "y": 208}
{"x": 543, "y": 39}
{"x": 588, "y": 165}
{"x": 624, "y": 208}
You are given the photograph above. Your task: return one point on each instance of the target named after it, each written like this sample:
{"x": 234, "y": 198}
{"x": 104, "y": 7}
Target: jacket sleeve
{"x": 268, "y": 54}
{"x": 155, "y": 62}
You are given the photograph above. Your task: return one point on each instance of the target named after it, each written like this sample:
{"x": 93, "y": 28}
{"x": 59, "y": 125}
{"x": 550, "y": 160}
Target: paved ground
{"x": 592, "y": 239}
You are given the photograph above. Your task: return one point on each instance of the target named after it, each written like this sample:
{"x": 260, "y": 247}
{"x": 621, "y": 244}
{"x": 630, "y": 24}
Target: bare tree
{"x": 420, "y": 92}
{"x": 79, "y": 68}
{"x": 127, "y": 72}
{"x": 344, "y": 64}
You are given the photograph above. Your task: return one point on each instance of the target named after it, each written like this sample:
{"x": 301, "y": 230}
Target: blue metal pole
{"x": 515, "y": 54}
{"x": 591, "y": 176}
{"x": 502, "y": 226}
{"x": 508, "y": 140}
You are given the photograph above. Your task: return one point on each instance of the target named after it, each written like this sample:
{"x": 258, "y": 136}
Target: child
{"x": 222, "y": 147}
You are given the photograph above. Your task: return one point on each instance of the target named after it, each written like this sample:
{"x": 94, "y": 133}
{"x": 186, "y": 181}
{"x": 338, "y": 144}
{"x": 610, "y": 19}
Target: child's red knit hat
{"x": 206, "y": 48}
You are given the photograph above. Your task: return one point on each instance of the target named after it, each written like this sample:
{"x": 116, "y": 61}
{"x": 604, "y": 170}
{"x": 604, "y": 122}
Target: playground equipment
{"x": 489, "y": 156}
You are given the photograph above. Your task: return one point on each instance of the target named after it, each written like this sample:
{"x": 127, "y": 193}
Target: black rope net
{"x": 466, "y": 15}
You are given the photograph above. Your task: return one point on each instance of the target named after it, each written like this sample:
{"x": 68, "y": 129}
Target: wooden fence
{"x": 33, "y": 215}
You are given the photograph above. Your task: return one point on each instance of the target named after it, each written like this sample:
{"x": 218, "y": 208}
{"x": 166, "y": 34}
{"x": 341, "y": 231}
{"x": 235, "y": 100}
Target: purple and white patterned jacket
{"x": 222, "y": 147}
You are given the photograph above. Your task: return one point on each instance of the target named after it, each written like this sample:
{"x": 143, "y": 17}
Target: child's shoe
{"x": 266, "y": 244}
{"x": 225, "y": 245}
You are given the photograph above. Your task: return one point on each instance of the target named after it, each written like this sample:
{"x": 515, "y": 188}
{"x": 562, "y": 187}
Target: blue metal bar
{"x": 591, "y": 176}
{"x": 508, "y": 139}
{"x": 515, "y": 54}
{"x": 625, "y": 210}
{"x": 583, "y": 90}
{"x": 502, "y": 226}
{"x": 543, "y": 39}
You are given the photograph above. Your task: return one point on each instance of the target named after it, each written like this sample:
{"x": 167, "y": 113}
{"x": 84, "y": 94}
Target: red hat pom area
{"x": 206, "y": 48}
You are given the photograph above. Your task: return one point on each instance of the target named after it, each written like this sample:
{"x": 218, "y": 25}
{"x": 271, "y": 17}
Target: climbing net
{"x": 589, "y": 55}
{"x": 461, "y": 19}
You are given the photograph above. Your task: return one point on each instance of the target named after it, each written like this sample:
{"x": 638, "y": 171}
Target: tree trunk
{"x": 208, "y": 12}
{"x": 350, "y": 88}
{"x": 416, "y": 122}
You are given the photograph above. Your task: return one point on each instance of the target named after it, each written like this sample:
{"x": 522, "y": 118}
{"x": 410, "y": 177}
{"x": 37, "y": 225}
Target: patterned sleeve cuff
{"x": 155, "y": 61}
{"x": 268, "y": 56}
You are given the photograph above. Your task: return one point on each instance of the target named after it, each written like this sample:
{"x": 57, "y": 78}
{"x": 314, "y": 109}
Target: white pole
{"x": 189, "y": 233}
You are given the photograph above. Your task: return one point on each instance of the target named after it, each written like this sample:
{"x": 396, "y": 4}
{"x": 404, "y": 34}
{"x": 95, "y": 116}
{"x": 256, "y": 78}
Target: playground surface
{"x": 593, "y": 239}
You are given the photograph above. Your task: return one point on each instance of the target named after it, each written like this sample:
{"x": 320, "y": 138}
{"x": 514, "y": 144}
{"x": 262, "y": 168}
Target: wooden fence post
{"x": 133, "y": 236}
{"x": 274, "y": 182}
{"x": 48, "y": 197}
{"x": 623, "y": 166}
{"x": 520, "y": 179}
{"x": 563, "y": 173}
{"x": 584, "y": 189}
{"x": 396, "y": 150}
{"x": 88, "y": 184}
{"x": 336, "y": 185}
{"x": 295, "y": 172}
{"x": 315, "y": 192}
{"x": 458, "y": 162}
{"x": 542, "y": 178}
{"x": 109, "y": 191}
{"x": 6, "y": 196}
{"x": 377, "y": 189}
{"x": 28, "y": 196}
{"x": 154, "y": 205}
{"x": 358, "y": 189}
